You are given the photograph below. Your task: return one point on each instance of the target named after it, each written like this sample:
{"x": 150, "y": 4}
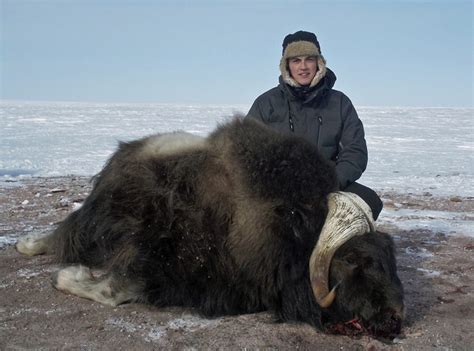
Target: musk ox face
{"x": 369, "y": 295}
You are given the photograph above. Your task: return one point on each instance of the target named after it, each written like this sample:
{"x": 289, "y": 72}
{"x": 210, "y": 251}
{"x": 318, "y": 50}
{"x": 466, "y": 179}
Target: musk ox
{"x": 226, "y": 224}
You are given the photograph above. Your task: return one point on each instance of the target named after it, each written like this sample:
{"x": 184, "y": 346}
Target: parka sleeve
{"x": 255, "y": 111}
{"x": 352, "y": 158}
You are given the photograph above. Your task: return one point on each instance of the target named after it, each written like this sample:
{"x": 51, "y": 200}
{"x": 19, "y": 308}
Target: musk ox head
{"x": 356, "y": 278}
{"x": 369, "y": 294}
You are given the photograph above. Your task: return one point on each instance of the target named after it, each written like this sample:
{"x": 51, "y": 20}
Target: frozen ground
{"x": 421, "y": 163}
{"x": 436, "y": 269}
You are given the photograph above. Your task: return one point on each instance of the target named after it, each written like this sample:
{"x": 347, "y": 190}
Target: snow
{"x": 438, "y": 221}
{"x": 411, "y": 150}
{"x": 429, "y": 273}
{"x": 53, "y": 139}
{"x": 154, "y": 332}
{"x": 6, "y": 240}
{"x": 420, "y": 150}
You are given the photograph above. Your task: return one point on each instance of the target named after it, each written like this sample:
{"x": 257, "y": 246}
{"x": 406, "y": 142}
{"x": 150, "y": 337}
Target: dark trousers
{"x": 368, "y": 195}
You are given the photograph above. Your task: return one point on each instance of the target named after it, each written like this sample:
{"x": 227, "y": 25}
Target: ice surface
{"x": 420, "y": 150}
{"x": 53, "y": 139}
{"x": 411, "y": 150}
{"x": 438, "y": 221}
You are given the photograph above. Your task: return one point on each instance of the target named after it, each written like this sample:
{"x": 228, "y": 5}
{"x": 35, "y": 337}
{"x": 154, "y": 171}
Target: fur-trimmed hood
{"x": 314, "y": 93}
{"x": 301, "y": 48}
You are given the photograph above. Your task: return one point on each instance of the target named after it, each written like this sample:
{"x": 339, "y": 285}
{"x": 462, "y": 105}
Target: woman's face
{"x": 303, "y": 69}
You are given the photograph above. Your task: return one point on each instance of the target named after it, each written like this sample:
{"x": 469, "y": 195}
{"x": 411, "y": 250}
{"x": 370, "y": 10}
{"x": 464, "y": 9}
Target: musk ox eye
{"x": 293, "y": 219}
{"x": 296, "y": 223}
{"x": 289, "y": 214}
{"x": 298, "y": 217}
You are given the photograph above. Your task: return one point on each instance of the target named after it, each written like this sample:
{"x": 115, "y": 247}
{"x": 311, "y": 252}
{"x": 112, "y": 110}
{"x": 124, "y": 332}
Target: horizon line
{"x": 202, "y": 104}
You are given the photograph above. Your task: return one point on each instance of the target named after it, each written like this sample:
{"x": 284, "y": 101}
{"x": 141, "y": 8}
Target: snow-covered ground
{"x": 411, "y": 150}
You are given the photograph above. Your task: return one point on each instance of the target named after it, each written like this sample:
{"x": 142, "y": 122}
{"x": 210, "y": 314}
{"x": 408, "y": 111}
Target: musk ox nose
{"x": 389, "y": 326}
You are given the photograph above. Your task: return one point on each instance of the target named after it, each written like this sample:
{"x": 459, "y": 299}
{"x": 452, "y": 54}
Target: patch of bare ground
{"x": 436, "y": 270}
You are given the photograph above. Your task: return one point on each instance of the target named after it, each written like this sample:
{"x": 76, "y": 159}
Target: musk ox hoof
{"x": 79, "y": 281}
{"x": 68, "y": 278}
{"x": 32, "y": 245}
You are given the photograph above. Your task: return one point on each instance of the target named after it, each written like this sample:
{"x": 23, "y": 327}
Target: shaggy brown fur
{"x": 226, "y": 226}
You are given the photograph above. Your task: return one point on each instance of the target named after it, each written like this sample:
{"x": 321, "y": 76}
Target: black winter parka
{"x": 326, "y": 118}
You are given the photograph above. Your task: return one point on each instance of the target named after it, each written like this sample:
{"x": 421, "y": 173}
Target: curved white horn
{"x": 348, "y": 216}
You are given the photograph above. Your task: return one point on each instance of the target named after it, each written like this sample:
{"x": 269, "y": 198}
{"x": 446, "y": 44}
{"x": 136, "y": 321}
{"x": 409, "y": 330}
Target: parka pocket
{"x": 329, "y": 152}
{"x": 274, "y": 117}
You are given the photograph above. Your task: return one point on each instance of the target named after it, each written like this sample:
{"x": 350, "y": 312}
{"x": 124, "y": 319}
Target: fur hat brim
{"x": 300, "y": 48}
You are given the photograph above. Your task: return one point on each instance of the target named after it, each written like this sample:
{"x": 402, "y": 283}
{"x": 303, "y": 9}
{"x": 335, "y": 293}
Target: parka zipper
{"x": 320, "y": 120}
{"x": 290, "y": 119}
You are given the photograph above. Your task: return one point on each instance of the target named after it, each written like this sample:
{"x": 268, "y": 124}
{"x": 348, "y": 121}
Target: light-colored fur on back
{"x": 171, "y": 143}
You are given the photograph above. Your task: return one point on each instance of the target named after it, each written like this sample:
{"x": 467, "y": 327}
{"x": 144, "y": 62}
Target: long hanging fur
{"x": 224, "y": 226}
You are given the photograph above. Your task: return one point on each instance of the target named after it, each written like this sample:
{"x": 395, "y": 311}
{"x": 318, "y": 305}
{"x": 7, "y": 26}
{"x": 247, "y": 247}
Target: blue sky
{"x": 384, "y": 53}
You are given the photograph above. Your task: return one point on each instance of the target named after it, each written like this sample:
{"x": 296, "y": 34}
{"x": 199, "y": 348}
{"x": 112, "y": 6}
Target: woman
{"x": 305, "y": 103}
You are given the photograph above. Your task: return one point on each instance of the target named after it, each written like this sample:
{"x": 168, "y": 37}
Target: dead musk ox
{"x": 226, "y": 224}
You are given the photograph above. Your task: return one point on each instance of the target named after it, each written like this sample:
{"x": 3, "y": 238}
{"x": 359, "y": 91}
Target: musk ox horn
{"x": 348, "y": 216}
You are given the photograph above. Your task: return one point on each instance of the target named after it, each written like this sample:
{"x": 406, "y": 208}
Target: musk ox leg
{"x": 35, "y": 244}
{"x": 108, "y": 290}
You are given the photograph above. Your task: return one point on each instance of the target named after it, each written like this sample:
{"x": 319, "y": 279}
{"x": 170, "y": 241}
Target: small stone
{"x": 76, "y": 206}
{"x": 26, "y": 202}
{"x": 57, "y": 190}
{"x": 64, "y": 202}
{"x": 469, "y": 247}
{"x": 455, "y": 199}
{"x": 397, "y": 341}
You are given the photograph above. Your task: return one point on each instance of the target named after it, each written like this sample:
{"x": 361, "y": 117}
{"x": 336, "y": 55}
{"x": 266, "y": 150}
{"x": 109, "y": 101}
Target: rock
{"x": 64, "y": 202}
{"x": 58, "y": 190}
{"x": 469, "y": 247}
{"x": 76, "y": 206}
{"x": 455, "y": 199}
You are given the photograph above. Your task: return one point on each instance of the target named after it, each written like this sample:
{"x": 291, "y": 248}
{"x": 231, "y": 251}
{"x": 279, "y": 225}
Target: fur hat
{"x": 297, "y": 44}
